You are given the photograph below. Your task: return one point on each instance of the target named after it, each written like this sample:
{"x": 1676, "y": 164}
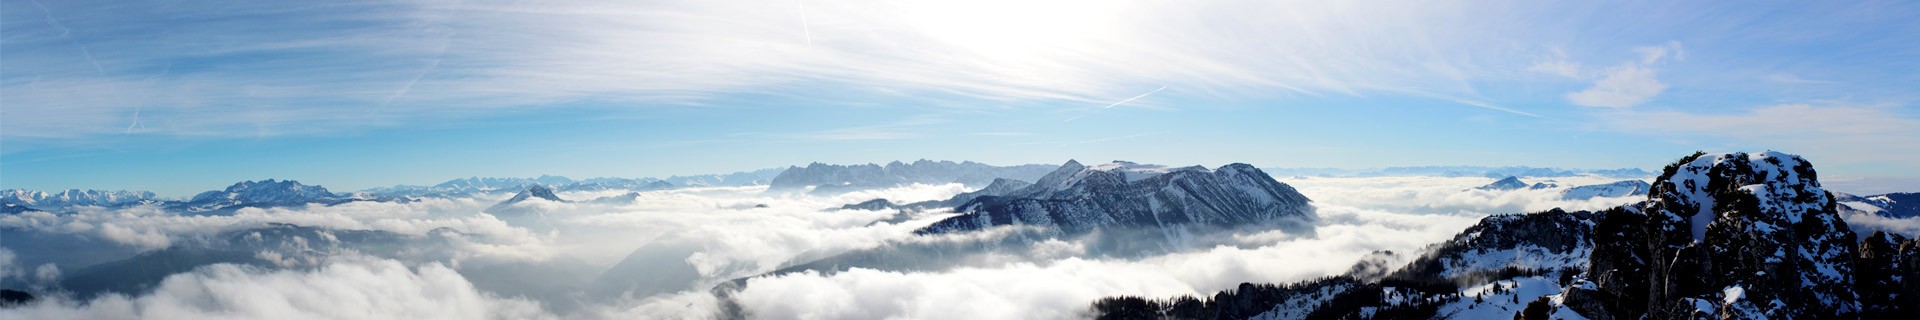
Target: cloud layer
{"x": 740, "y": 232}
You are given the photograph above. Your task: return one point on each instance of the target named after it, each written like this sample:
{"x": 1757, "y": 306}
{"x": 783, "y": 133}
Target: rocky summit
{"x": 1720, "y": 236}
{"x": 1732, "y": 235}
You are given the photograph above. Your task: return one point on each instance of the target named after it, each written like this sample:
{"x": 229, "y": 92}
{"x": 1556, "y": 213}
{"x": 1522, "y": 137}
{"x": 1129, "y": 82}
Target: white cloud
{"x": 345, "y": 288}
{"x": 1559, "y": 67}
{"x": 1062, "y": 289}
{"x": 1443, "y": 195}
{"x": 735, "y": 237}
{"x": 1621, "y": 87}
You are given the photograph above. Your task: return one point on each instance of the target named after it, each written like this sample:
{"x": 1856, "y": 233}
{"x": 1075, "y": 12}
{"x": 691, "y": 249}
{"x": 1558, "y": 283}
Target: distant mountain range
{"x": 1615, "y": 189}
{"x": 831, "y": 179}
{"x": 268, "y": 193}
{"x": 67, "y": 199}
{"x": 473, "y": 185}
{"x": 1461, "y": 171}
{"x": 1891, "y": 205}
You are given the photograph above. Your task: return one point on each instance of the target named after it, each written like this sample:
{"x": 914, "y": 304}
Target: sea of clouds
{"x": 722, "y": 234}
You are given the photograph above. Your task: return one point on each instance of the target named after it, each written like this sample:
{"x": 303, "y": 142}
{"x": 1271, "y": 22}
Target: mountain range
{"x": 1614, "y": 189}
{"x": 832, "y": 179}
{"x": 67, "y": 199}
{"x": 1892, "y": 205}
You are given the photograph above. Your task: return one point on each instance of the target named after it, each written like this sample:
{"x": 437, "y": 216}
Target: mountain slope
{"x": 1508, "y": 183}
{"x": 531, "y": 193}
{"x": 1076, "y": 199}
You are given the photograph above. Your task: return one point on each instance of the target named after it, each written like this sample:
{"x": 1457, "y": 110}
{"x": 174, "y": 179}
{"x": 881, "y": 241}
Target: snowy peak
{"x": 1736, "y": 235}
{"x": 1508, "y": 183}
{"x": 535, "y": 192}
{"x": 538, "y": 193}
{"x": 1778, "y": 185}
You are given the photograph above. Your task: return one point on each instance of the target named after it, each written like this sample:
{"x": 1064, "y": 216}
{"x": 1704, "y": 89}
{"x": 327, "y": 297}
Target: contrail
{"x": 68, "y": 33}
{"x": 804, "y": 25}
{"x": 434, "y": 64}
{"x": 416, "y": 79}
{"x": 136, "y": 120}
{"x": 1143, "y": 95}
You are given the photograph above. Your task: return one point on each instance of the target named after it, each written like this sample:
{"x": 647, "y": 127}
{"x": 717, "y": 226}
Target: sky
{"x": 184, "y": 96}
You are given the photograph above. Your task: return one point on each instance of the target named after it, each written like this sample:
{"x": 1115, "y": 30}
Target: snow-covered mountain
{"x": 490, "y": 184}
{"x": 1725, "y": 236}
{"x": 1076, "y": 199}
{"x": 737, "y": 179}
{"x": 475, "y": 185}
{"x": 531, "y": 193}
{"x": 258, "y": 194}
{"x": 69, "y": 198}
{"x": 597, "y": 184}
{"x": 1616, "y": 189}
{"x": 1891, "y": 205}
{"x": 1507, "y": 183}
{"x": 875, "y": 204}
{"x": 829, "y": 178}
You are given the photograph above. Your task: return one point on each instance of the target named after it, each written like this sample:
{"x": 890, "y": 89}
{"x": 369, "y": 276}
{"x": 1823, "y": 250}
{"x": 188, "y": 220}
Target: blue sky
{"x": 179, "y": 97}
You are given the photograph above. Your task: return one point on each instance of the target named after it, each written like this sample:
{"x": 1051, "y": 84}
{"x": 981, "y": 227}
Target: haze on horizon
{"x": 180, "y": 97}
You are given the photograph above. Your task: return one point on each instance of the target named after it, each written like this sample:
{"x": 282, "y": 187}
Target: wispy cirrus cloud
{"x": 339, "y": 66}
{"x": 1850, "y": 134}
{"x": 1621, "y": 86}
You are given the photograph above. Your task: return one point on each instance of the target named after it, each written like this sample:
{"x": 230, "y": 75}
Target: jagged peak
{"x": 537, "y": 191}
{"x": 1785, "y": 185}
